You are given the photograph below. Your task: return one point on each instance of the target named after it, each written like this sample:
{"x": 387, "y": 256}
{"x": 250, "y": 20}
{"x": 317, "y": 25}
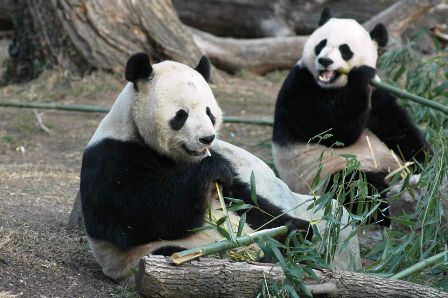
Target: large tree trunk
{"x": 83, "y": 35}
{"x": 208, "y": 277}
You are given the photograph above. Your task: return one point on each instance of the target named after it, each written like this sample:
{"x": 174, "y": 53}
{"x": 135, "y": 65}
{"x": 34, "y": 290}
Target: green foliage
{"x": 297, "y": 257}
{"x": 425, "y": 234}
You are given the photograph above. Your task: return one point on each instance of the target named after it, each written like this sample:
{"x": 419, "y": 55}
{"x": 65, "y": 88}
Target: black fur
{"x": 392, "y": 124}
{"x": 179, "y": 120}
{"x": 210, "y": 115}
{"x": 318, "y": 48}
{"x": 168, "y": 250}
{"x": 203, "y": 68}
{"x": 375, "y": 184}
{"x": 138, "y": 67}
{"x": 304, "y": 109}
{"x": 325, "y": 16}
{"x": 132, "y": 195}
{"x": 380, "y": 35}
{"x": 346, "y": 52}
{"x": 257, "y": 218}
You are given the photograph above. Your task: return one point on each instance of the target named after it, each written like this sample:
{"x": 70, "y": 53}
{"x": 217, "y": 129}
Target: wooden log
{"x": 261, "y": 55}
{"x": 233, "y": 18}
{"x": 267, "y": 18}
{"x": 208, "y": 277}
{"x": 399, "y": 16}
{"x": 258, "y": 55}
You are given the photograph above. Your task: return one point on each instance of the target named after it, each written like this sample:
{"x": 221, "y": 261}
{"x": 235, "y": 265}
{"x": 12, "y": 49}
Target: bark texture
{"x": 267, "y": 18}
{"x": 259, "y": 55}
{"x": 99, "y": 34}
{"x": 208, "y": 277}
{"x": 401, "y": 15}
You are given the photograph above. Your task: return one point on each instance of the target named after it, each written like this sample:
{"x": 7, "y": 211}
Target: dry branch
{"x": 207, "y": 277}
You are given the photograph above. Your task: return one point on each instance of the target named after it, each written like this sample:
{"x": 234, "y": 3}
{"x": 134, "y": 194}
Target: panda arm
{"x": 392, "y": 124}
{"x": 305, "y": 110}
{"x": 266, "y": 214}
{"x": 129, "y": 196}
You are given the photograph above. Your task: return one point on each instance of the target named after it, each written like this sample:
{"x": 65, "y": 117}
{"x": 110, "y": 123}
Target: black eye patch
{"x": 210, "y": 115}
{"x": 346, "y": 53}
{"x": 179, "y": 120}
{"x": 320, "y": 46}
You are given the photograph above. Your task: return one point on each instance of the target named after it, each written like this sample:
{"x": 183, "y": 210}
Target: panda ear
{"x": 324, "y": 16}
{"x": 138, "y": 67}
{"x": 203, "y": 68}
{"x": 380, "y": 35}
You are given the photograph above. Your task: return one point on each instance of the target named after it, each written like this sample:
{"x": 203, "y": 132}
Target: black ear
{"x": 204, "y": 68}
{"x": 324, "y": 16}
{"x": 380, "y": 35}
{"x": 138, "y": 67}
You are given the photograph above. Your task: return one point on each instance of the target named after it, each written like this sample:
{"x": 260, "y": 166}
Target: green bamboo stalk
{"x": 223, "y": 245}
{"x": 438, "y": 258}
{"x": 404, "y": 94}
{"x": 55, "y": 106}
{"x": 415, "y": 98}
{"x": 98, "y": 109}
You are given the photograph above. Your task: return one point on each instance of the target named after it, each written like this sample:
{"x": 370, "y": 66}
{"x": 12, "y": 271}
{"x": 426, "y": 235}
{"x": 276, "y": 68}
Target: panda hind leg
{"x": 375, "y": 184}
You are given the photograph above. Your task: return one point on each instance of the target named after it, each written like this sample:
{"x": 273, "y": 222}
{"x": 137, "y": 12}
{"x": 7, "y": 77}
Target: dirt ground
{"x": 40, "y": 256}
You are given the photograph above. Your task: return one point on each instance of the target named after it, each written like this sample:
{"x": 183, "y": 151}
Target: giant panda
{"x": 147, "y": 180}
{"x": 317, "y": 99}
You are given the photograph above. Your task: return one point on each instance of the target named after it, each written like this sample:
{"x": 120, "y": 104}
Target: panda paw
{"x": 218, "y": 170}
{"x": 361, "y": 74}
{"x": 302, "y": 226}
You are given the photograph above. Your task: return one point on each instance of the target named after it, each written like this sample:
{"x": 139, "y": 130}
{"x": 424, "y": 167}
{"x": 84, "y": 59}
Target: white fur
{"x": 172, "y": 87}
{"x": 338, "y": 32}
{"x": 116, "y": 124}
{"x": 175, "y": 86}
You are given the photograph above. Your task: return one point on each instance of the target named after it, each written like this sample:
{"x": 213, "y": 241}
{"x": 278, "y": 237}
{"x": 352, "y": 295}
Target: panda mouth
{"x": 327, "y": 76}
{"x": 195, "y": 152}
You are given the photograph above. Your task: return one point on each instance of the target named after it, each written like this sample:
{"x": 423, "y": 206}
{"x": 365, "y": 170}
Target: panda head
{"x": 340, "y": 44}
{"x": 174, "y": 111}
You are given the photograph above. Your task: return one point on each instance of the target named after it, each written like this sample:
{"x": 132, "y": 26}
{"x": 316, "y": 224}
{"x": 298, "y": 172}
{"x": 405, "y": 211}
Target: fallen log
{"x": 258, "y": 55}
{"x": 261, "y": 55}
{"x": 209, "y": 277}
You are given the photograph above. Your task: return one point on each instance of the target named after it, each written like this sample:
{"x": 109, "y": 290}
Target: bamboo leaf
{"x": 253, "y": 188}
{"x": 241, "y": 225}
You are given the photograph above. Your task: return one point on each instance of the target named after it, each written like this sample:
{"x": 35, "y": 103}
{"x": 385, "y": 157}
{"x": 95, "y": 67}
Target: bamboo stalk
{"x": 97, "y": 109}
{"x": 223, "y": 245}
{"x": 404, "y": 94}
{"x": 438, "y": 258}
{"x": 415, "y": 98}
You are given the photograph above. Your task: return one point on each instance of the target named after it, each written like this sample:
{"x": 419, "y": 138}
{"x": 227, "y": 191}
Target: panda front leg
{"x": 264, "y": 214}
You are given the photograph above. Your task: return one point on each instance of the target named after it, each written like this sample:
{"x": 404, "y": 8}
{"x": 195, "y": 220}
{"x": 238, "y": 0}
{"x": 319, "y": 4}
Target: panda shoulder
{"x": 299, "y": 73}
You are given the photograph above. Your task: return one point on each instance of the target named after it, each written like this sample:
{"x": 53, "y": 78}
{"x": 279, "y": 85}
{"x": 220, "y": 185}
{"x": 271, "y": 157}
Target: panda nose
{"x": 207, "y": 140}
{"x": 325, "y": 61}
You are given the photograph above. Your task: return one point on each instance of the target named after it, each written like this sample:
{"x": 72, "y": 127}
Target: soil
{"x": 40, "y": 255}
